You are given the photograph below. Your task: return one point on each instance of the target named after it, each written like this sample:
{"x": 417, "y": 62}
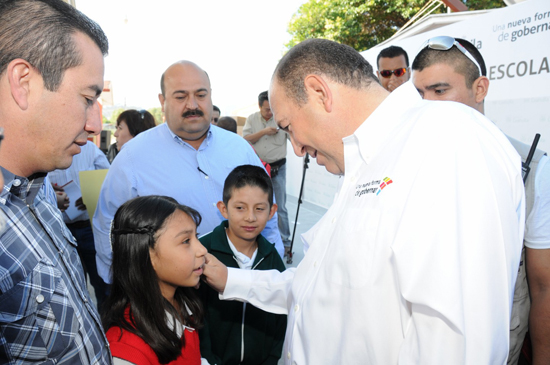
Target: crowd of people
{"x": 435, "y": 250}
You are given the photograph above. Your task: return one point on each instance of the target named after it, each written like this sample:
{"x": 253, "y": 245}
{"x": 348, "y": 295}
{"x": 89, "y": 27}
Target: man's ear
{"x": 161, "y": 99}
{"x": 481, "y": 88}
{"x": 19, "y": 73}
{"x": 273, "y": 209}
{"x": 318, "y": 91}
{"x": 222, "y": 208}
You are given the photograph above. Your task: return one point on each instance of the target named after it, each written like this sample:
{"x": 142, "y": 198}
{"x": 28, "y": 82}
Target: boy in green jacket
{"x": 236, "y": 332}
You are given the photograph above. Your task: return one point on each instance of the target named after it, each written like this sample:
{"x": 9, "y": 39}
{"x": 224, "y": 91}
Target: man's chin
{"x": 64, "y": 164}
{"x": 330, "y": 167}
{"x": 67, "y": 159}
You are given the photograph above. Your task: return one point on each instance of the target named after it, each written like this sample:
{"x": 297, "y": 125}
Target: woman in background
{"x": 129, "y": 124}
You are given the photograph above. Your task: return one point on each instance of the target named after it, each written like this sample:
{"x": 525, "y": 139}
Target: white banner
{"x": 515, "y": 44}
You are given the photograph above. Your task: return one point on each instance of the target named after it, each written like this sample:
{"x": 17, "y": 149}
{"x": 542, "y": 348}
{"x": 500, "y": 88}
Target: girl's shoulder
{"x": 129, "y": 346}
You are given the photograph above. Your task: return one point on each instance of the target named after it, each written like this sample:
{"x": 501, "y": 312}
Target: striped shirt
{"x": 46, "y": 314}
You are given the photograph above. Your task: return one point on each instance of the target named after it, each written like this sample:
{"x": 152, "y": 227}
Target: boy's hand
{"x": 215, "y": 273}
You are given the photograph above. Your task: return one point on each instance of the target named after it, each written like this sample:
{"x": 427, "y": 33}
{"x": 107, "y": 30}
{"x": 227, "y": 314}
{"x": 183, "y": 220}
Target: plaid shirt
{"x": 46, "y": 314}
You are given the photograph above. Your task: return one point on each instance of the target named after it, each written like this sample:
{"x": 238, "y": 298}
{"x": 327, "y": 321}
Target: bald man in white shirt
{"x": 397, "y": 270}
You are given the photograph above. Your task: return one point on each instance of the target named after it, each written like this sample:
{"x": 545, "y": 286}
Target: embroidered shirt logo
{"x": 387, "y": 181}
{"x": 372, "y": 187}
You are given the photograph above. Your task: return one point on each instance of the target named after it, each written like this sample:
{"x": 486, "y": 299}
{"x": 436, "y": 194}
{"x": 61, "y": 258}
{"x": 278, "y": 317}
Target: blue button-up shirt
{"x": 158, "y": 162}
{"x": 46, "y": 314}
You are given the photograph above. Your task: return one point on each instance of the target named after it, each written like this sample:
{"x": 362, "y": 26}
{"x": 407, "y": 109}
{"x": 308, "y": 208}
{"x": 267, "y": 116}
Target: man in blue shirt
{"x": 51, "y": 74}
{"x": 185, "y": 158}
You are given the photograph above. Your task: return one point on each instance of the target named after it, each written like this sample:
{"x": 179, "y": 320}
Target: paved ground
{"x": 309, "y": 214}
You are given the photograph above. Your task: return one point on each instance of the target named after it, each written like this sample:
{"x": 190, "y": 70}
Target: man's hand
{"x": 62, "y": 198}
{"x": 270, "y": 131}
{"x": 215, "y": 273}
{"x": 80, "y": 204}
{"x": 63, "y": 201}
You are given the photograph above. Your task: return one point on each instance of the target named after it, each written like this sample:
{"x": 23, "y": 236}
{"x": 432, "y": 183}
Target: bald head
{"x": 182, "y": 64}
{"x": 338, "y": 62}
{"x": 186, "y": 101}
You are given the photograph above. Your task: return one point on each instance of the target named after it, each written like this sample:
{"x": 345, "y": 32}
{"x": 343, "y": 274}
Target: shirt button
{"x": 206, "y": 177}
{"x": 333, "y": 220}
{"x": 39, "y": 298}
{"x": 296, "y": 308}
{"x": 16, "y": 182}
{"x": 213, "y": 204}
{"x": 315, "y": 264}
{"x": 288, "y": 355}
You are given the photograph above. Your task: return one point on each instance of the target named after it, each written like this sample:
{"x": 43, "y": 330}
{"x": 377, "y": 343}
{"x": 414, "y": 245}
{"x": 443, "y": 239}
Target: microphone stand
{"x": 290, "y": 253}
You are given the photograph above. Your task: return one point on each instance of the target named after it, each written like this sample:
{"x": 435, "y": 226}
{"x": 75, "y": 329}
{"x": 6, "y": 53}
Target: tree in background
{"x": 157, "y": 113}
{"x": 361, "y": 24}
{"x": 115, "y": 114}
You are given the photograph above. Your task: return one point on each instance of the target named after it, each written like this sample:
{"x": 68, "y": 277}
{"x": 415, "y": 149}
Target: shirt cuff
{"x": 238, "y": 284}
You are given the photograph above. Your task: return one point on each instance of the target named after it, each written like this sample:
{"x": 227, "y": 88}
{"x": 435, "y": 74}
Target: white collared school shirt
{"x": 416, "y": 260}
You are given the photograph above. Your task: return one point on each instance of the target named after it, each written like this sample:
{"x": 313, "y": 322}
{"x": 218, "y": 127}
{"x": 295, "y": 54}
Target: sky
{"x": 238, "y": 43}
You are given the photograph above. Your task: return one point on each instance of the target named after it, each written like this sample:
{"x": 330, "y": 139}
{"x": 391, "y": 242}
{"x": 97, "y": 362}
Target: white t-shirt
{"x": 537, "y": 227}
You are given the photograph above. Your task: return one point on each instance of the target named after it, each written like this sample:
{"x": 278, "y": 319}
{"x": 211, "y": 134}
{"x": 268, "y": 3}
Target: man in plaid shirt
{"x": 51, "y": 74}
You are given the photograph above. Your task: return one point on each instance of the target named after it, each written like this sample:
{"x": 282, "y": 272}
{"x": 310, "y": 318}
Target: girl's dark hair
{"x": 135, "y": 284}
{"x": 137, "y": 120}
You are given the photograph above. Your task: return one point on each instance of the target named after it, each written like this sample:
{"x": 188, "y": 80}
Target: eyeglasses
{"x": 398, "y": 72}
{"x": 1, "y": 134}
{"x": 445, "y": 43}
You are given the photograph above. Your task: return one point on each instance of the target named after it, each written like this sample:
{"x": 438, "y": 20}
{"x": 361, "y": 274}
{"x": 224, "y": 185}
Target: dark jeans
{"x": 86, "y": 250}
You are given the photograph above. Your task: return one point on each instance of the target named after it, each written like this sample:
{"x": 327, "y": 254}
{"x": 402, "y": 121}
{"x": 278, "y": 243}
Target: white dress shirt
{"x": 416, "y": 260}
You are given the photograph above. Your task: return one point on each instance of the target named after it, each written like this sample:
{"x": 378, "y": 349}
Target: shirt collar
{"x": 244, "y": 261}
{"x": 22, "y": 187}
{"x": 204, "y": 144}
{"x": 377, "y": 128}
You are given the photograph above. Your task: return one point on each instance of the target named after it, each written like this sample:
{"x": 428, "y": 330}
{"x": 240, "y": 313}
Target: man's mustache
{"x": 193, "y": 113}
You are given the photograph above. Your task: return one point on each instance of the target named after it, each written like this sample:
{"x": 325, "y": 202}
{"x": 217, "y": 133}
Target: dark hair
{"x": 228, "y": 124}
{"x": 135, "y": 283}
{"x": 247, "y": 175}
{"x": 41, "y": 32}
{"x": 392, "y": 52}
{"x": 137, "y": 120}
{"x": 216, "y": 109}
{"x": 338, "y": 62}
{"x": 453, "y": 57}
{"x": 262, "y": 97}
